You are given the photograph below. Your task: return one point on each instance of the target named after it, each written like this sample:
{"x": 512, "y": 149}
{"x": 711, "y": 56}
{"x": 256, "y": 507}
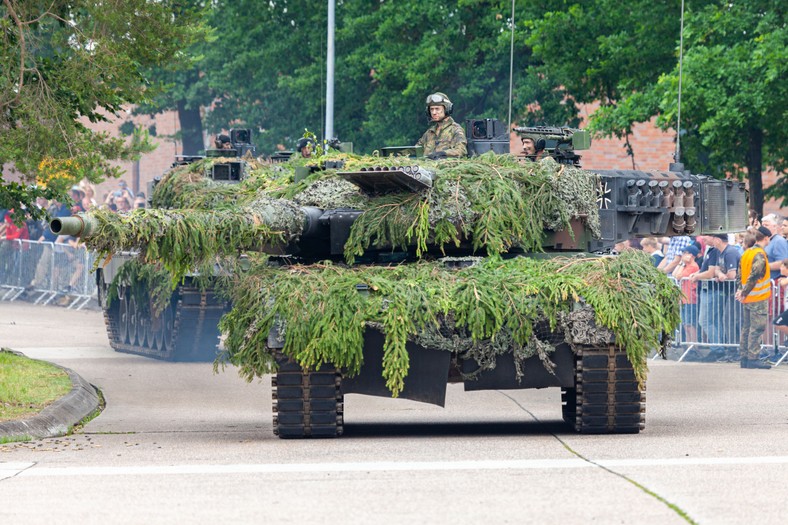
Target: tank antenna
{"x": 329, "y": 132}
{"x": 511, "y": 70}
{"x": 677, "y": 155}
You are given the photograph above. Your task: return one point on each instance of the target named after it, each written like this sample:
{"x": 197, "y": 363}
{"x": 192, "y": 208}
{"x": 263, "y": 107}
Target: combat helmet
{"x": 439, "y": 99}
{"x": 303, "y": 142}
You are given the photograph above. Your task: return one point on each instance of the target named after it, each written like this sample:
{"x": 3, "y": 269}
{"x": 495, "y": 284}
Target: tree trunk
{"x": 191, "y": 129}
{"x": 754, "y": 174}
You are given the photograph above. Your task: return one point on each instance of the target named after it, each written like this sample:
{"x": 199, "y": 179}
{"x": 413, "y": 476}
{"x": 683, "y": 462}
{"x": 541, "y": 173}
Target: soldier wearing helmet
{"x": 444, "y": 138}
{"x": 304, "y": 146}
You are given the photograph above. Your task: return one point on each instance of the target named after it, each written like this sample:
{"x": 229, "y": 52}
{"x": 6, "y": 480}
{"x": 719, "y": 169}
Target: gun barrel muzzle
{"x": 76, "y": 226}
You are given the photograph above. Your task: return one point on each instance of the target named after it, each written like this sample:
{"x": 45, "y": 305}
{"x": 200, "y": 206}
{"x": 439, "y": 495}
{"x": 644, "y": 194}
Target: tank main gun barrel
{"x": 80, "y": 225}
{"x": 85, "y": 225}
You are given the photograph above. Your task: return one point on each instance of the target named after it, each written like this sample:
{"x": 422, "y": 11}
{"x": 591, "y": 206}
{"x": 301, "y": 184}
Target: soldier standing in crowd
{"x": 444, "y": 138}
{"x": 754, "y": 291}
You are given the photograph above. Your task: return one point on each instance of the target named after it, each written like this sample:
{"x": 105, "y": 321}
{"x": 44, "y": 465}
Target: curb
{"x": 59, "y": 417}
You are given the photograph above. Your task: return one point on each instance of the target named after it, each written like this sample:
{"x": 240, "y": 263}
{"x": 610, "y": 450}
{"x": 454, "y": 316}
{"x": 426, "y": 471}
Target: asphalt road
{"x": 177, "y": 443}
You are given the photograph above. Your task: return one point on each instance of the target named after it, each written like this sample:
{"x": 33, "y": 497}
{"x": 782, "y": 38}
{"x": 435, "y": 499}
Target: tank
{"x": 395, "y": 276}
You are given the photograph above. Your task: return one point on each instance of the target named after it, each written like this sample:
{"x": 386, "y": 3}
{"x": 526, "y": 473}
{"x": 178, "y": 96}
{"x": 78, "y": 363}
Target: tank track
{"x": 187, "y": 330}
{"x": 606, "y": 398}
{"x": 307, "y": 404}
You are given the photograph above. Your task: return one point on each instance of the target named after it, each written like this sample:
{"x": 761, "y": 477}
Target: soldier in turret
{"x": 533, "y": 150}
{"x": 444, "y": 138}
{"x": 304, "y": 146}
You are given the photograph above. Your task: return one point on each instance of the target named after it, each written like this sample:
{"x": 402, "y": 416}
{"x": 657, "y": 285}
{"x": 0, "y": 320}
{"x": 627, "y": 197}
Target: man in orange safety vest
{"x": 754, "y": 291}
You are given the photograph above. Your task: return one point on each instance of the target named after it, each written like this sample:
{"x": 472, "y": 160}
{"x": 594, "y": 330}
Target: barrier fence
{"x": 43, "y": 272}
{"x": 711, "y": 321}
{"x": 710, "y": 316}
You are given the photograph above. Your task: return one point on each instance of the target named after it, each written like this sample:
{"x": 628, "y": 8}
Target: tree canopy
{"x": 64, "y": 64}
{"x": 626, "y": 57}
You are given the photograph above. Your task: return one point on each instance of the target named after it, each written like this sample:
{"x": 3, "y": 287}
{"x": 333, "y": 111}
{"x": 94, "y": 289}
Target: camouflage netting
{"x": 496, "y": 306}
{"x": 492, "y": 203}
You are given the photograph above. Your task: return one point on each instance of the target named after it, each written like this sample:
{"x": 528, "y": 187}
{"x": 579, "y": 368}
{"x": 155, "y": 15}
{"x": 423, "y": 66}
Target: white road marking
{"x": 8, "y": 470}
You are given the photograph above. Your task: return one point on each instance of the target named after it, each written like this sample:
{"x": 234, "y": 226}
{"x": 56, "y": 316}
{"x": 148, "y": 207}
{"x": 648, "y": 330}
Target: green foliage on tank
{"x": 492, "y": 204}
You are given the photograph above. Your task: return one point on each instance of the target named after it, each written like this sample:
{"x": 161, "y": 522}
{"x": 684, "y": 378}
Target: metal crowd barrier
{"x": 43, "y": 272}
{"x": 711, "y": 318}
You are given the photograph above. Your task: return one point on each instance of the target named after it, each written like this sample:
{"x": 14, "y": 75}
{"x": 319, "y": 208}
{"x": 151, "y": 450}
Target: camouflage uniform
{"x": 754, "y": 313}
{"x": 446, "y": 136}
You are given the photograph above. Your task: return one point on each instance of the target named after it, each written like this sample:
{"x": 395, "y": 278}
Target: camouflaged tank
{"x": 395, "y": 275}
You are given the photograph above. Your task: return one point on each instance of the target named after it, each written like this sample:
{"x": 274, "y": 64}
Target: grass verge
{"x": 27, "y": 386}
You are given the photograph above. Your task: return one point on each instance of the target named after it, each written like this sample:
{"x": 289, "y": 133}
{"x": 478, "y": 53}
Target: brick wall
{"x": 150, "y": 164}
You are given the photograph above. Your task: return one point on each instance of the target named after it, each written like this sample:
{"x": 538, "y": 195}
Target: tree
{"x": 266, "y": 69}
{"x": 626, "y": 57}
{"x": 68, "y": 62}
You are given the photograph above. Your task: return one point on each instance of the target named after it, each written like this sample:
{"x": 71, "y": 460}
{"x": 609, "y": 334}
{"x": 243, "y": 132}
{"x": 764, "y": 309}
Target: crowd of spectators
{"x": 708, "y": 270}
{"x": 82, "y": 197}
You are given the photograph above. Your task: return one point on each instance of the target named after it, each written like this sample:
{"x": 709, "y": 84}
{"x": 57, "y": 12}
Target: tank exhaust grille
{"x": 724, "y": 207}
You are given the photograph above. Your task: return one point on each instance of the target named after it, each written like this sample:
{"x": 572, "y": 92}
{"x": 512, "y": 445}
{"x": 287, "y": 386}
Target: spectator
{"x": 689, "y": 302}
{"x": 45, "y": 262}
{"x": 673, "y": 253}
{"x": 777, "y": 250}
{"x": 653, "y": 248}
{"x": 708, "y": 300}
{"x": 754, "y": 219}
{"x": 125, "y": 190}
{"x": 781, "y": 322}
{"x": 10, "y": 247}
{"x": 89, "y": 200}
{"x": 139, "y": 201}
{"x": 621, "y": 246}
{"x": 123, "y": 204}
{"x": 77, "y": 196}
{"x": 67, "y": 260}
{"x": 728, "y": 264}
{"x": 784, "y": 228}
{"x": 754, "y": 291}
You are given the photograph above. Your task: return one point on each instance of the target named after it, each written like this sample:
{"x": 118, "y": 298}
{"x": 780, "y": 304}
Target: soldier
{"x": 223, "y": 141}
{"x": 304, "y": 146}
{"x": 754, "y": 291}
{"x": 444, "y": 138}
{"x": 533, "y": 150}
